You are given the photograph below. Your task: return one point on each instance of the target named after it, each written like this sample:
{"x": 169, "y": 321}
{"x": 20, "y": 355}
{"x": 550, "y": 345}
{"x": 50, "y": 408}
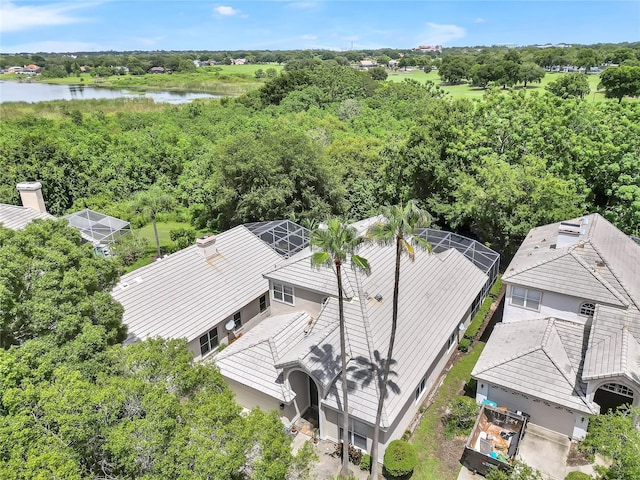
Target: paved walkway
{"x": 327, "y": 466}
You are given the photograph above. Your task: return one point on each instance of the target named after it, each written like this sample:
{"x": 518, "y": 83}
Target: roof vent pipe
{"x": 31, "y": 196}
{"x": 207, "y": 246}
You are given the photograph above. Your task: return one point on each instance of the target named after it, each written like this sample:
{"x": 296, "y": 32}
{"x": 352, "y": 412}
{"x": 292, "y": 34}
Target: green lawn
{"x": 165, "y": 241}
{"x": 467, "y": 91}
{"x": 426, "y": 439}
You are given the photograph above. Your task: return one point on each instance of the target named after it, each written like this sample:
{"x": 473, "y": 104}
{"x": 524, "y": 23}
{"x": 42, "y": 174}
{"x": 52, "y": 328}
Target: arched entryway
{"x": 307, "y": 398}
{"x": 610, "y": 396}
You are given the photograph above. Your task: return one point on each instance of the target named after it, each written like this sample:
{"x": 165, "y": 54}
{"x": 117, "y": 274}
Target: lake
{"x": 44, "y": 92}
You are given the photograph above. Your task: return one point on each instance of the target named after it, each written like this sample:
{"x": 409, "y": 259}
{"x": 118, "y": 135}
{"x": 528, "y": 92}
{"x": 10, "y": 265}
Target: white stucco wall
{"x": 552, "y": 305}
{"x": 250, "y": 315}
{"x": 250, "y": 398}
{"x": 304, "y": 300}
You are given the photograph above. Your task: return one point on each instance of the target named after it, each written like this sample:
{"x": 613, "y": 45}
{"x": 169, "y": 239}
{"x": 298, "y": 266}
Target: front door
{"x": 313, "y": 394}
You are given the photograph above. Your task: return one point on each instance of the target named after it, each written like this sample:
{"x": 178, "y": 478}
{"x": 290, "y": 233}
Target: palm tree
{"x": 337, "y": 244}
{"x": 150, "y": 203}
{"x": 399, "y": 228}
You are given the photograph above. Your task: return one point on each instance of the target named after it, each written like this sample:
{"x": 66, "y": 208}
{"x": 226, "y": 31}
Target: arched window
{"x": 587, "y": 309}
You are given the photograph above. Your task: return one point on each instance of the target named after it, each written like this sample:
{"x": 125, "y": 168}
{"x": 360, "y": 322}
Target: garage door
{"x": 545, "y": 414}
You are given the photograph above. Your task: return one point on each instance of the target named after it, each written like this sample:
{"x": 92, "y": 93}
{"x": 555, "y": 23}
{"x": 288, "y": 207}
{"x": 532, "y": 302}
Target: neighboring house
{"x": 367, "y": 64}
{"x": 210, "y": 292}
{"x": 159, "y": 70}
{"x": 291, "y": 361}
{"x": 96, "y": 228}
{"x": 569, "y": 345}
{"x": 239, "y": 61}
{"x": 16, "y": 217}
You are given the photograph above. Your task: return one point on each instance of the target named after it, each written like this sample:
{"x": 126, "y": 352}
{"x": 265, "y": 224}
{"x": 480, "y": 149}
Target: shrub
{"x": 129, "y": 248}
{"x": 182, "y": 237}
{"x": 460, "y": 417}
{"x": 400, "y": 458}
{"x": 365, "y": 462}
{"x": 578, "y": 476}
{"x": 464, "y": 345}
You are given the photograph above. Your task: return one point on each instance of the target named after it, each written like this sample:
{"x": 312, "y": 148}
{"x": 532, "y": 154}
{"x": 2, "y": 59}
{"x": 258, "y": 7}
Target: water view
{"x": 42, "y": 92}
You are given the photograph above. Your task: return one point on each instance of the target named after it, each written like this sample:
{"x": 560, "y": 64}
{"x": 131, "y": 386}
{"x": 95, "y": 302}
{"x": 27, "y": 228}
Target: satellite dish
{"x": 230, "y": 325}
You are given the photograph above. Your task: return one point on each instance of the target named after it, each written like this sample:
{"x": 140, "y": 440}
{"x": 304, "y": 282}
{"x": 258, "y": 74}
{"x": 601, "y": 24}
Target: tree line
{"x": 326, "y": 140}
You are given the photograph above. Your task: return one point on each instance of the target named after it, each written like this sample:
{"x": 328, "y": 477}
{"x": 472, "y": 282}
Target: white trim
{"x": 526, "y": 298}
{"x": 284, "y": 294}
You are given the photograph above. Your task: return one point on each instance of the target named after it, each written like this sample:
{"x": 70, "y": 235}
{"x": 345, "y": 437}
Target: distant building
{"x": 430, "y": 48}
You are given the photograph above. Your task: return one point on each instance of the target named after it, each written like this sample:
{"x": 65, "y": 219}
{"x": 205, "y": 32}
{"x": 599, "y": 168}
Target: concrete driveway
{"x": 545, "y": 450}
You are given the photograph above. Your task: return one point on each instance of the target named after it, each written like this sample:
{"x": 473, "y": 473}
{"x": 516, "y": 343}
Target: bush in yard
{"x": 578, "y": 476}
{"x": 464, "y": 345}
{"x": 460, "y": 417}
{"x": 365, "y": 462}
{"x": 400, "y": 458}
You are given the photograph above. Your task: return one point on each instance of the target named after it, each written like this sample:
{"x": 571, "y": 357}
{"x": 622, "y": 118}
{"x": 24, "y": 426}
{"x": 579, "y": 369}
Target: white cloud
{"x": 14, "y": 18}
{"x": 440, "y": 34}
{"x": 53, "y": 46}
{"x": 478, "y": 20}
{"x": 226, "y": 11}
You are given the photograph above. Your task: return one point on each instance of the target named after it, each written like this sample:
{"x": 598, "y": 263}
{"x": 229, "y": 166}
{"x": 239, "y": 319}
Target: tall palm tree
{"x": 150, "y": 203}
{"x": 399, "y": 228}
{"x": 337, "y": 244}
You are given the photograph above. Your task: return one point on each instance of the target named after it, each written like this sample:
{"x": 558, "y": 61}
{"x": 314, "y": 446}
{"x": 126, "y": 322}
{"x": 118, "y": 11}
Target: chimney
{"x": 568, "y": 234}
{"x": 31, "y": 196}
{"x": 207, "y": 246}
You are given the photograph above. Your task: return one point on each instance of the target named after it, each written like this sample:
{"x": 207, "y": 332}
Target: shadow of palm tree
{"x": 331, "y": 365}
{"x": 366, "y": 371}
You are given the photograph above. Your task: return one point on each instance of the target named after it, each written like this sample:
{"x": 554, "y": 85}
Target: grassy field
{"x": 221, "y": 79}
{"x": 428, "y": 439}
{"x": 146, "y": 232}
{"x": 467, "y": 91}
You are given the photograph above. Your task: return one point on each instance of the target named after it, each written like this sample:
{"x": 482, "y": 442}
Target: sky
{"x": 87, "y": 25}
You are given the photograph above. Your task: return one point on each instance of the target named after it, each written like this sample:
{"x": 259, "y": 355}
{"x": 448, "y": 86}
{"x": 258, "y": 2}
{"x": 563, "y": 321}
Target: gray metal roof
{"x": 614, "y": 349}
{"x": 298, "y": 271}
{"x": 98, "y": 227}
{"x": 540, "y": 358}
{"x": 284, "y": 236}
{"x": 17, "y": 218}
{"x": 436, "y": 292}
{"x": 183, "y": 294}
{"x": 251, "y": 361}
{"x": 603, "y": 266}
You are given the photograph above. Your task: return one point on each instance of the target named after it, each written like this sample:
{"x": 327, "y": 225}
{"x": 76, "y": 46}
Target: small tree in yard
{"x": 150, "y": 203}
{"x": 520, "y": 471}
{"x": 460, "y": 417}
{"x": 400, "y": 459}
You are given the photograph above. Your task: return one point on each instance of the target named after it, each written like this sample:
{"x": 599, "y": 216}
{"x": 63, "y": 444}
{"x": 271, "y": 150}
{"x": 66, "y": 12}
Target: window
{"x": 209, "y": 341}
{"x": 283, "y": 293}
{"x": 523, "y": 297}
{"x": 616, "y": 388}
{"x": 587, "y": 309}
{"x": 355, "y": 439}
{"x": 237, "y": 320}
{"x": 421, "y": 388}
{"x": 263, "y": 303}
{"x": 452, "y": 340}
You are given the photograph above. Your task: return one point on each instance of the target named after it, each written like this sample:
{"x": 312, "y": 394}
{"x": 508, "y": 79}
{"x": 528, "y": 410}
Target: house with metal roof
{"x": 569, "y": 345}
{"x": 33, "y": 207}
{"x": 291, "y": 362}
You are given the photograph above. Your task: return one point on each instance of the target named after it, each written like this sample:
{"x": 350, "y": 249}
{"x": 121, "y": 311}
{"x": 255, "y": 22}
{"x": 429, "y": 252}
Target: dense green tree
{"x": 378, "y": 73}
{"x": 336, "y": 245}
{"x": 574, "y": 85}
{"x": 530, "y": 72}
{"x": 620, "y": 82}
{"x": 455, "y": 69}
{"x": 615, "y": 436}
{"x": 51, "y": 284}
